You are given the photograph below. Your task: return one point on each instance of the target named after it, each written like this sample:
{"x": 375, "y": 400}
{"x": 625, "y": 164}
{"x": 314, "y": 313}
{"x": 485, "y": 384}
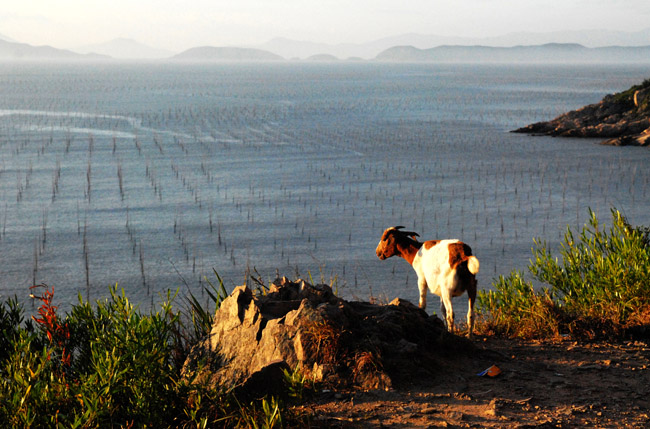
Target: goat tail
{"x": 473, "y": 264}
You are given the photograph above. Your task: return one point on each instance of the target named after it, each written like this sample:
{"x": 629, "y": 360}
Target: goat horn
{"x": 407, "y": 233}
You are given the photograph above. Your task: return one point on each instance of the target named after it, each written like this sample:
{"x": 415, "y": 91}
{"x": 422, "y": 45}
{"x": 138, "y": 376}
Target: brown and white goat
{"x": 446, "y": 267}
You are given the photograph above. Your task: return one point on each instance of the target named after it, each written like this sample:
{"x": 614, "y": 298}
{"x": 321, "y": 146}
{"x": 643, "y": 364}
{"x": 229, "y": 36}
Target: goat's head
{"x": 387, "y": 246}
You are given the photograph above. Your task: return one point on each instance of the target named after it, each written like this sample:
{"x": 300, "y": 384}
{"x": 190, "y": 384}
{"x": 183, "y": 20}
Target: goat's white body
{"x": 432, "y": 266}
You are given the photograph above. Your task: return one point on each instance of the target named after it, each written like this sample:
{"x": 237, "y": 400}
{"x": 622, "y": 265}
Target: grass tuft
{"x": 597, "y": 288}
{"x": 110, "y": 364}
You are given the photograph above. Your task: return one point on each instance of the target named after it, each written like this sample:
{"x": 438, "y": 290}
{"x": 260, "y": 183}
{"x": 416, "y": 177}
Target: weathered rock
{"x": 340, "y": 343}
{"x": 621, "y": 119}
{"x": 267, "y": 380}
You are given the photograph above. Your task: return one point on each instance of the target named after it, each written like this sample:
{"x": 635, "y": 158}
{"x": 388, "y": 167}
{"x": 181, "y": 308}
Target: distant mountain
{"x": 7, "y": 38}
{"x": 301, "y": 49}
{"x": 125, "y": 49}
{"x": 296, "y": 49}
{"x": 210, "y": 53}
{"x": 23, "y": 51}
{"x": 280, "y": 48}
{"x": 548, "y": 53}
{"x": 589, "y": 38}
{"x": 323, "y": 58}
{"x": 288, "y": 48}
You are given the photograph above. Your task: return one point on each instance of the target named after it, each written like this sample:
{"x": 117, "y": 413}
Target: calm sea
{"x": 153, "y": 175}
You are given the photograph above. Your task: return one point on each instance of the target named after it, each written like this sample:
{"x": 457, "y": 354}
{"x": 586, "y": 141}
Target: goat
{"x": 446, "y": 267}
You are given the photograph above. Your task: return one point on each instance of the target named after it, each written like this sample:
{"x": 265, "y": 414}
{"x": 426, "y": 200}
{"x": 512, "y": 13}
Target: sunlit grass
{"x": 598, "y": 287}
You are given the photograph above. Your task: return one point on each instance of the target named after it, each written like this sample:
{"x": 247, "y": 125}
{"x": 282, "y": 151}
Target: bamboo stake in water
{"x": 86, "y": 264}
{"x": 120, "y": 179}
{"x": 44, "y": 230}
{"x": 88, "y": 179}
{"x": 144, "y": 281}
{"x": 4, "y": 223}
{"x": 35, "y": 269}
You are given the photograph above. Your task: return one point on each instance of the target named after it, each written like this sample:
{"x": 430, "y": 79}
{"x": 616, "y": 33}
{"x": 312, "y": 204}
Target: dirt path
{"x": 541, "y": 385}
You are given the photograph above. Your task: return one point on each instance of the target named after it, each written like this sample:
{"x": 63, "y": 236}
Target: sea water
{"x": 155, "y": 176}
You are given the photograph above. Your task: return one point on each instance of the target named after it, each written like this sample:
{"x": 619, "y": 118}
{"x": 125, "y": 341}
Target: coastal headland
{"x": 621, "y": 119}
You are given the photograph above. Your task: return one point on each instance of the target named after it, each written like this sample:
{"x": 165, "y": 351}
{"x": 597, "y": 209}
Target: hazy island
{"x": 550, "y": 53}
{"x": 622, "y": 119}
{"x": 407, "y": 49}
{"x": 22, "y": 51}
{"x": 210, "y": 53}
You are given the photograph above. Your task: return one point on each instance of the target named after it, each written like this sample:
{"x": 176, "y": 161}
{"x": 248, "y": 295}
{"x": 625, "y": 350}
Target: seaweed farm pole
{"x": 44, "y": 229}
{"x": 144, "y": 282}
{"x": 91, "y": 145}
{"x": 78, "y": 220}
{"x": 85, "y": 244}
{"x": 88, "y": 179}
{"x": 35, "y": 270}
{"x": 120, "y": 179}
{"x": 4, "y": 223}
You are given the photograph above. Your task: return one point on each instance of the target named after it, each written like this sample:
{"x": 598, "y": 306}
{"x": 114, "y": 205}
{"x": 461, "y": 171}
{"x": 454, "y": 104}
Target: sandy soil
{"x": 564, "y": 385}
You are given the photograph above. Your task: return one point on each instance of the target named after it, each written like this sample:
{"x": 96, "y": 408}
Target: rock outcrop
{"x": 297, "y": 326}
{"x": 621, "y": 119}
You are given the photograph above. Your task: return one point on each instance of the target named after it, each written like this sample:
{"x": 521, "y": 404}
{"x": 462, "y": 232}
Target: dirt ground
{"x": 541, "y": 385}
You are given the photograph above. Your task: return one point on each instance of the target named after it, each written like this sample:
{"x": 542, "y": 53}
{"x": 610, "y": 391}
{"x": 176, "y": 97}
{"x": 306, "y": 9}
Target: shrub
{"x": 32, "y": 392}
{"x": 626, "y": 98}
{"x": 598, "y": 288}
{"x": 125, "y": 367}
{"x": 11, "y": 320}
{"x": 516, "y": 309}
{"x": 111, "y": 365}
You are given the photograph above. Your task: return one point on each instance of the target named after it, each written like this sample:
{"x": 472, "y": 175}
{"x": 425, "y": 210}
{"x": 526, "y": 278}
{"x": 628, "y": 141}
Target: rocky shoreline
{"x": 622, "y": 119}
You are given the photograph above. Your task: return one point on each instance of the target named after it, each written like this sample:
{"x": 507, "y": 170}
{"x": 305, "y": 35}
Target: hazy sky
{"x": 180, "y": 24}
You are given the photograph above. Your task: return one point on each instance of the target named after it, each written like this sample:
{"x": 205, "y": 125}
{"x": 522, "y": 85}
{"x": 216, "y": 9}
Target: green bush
{"x": 627, "y": 97}
{"x": 125, "y": 365}
{"x": 598, "y": 287}
{"x": 32, "y": 393}
{"x": 11, "y": 325}
{"x": 516, "y": 309}
{"x": 111, "y": 365}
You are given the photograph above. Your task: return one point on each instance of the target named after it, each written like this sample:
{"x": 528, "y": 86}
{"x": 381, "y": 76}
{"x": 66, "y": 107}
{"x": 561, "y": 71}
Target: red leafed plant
{"x": 57, "y": 333}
